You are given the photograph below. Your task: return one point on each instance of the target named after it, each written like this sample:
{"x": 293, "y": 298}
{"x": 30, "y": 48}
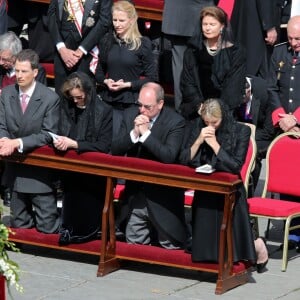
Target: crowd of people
{"x": 108, "y": 99}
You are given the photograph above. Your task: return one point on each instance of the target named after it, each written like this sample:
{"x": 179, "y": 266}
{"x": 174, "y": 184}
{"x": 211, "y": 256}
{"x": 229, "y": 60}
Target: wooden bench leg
{"x": 108, "y": 261}
{"x": 226, "y": 278}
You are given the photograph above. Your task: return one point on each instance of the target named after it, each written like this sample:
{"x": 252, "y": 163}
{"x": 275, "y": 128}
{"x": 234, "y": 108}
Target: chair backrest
{"x": 283, "y": 165}
{"x": 250, "y": 158}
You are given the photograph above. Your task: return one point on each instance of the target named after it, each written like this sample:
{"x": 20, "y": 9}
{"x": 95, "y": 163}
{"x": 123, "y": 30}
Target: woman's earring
{"x": 221, "y": 30}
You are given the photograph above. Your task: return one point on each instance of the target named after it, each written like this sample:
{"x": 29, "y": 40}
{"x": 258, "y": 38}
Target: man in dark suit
{"x": 256, "y": 110}
{"x": 3, "y": 16}
{"x": 180, "y": 18}
{"x": 151, "y": 131}
{"x": 16, "y": 15}
{"x": 76, "y": 28}
{"x": 28, "y": 112}
{"x": 254, "y": 24}
{"x": 38, "y": 33}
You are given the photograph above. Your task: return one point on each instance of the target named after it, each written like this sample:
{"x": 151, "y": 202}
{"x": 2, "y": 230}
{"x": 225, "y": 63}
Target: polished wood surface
{"x": 39, "y": 1}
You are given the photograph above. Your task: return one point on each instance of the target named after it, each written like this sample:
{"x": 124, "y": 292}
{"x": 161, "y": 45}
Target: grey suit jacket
{"x": 40, "y": 117}
{"x": 180, "y": 17}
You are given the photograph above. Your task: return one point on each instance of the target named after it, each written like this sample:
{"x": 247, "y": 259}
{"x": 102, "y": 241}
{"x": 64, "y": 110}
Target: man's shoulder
{"x": 44, "y": 90}
{"x": 9, "y": 90}
{"x": 170, "y": 114}
{"x": 282, "y": 52}
{"x": 281, "y": 44}
{"x": 282, "y": 47}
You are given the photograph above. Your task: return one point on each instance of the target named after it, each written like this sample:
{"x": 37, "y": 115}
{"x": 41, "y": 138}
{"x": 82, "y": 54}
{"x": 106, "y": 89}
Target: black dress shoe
{"x": 120, "y": 236}
{"x": 6, "y": 198}
{"x": 261, "y": 266}
{"x": 64, "y": 237}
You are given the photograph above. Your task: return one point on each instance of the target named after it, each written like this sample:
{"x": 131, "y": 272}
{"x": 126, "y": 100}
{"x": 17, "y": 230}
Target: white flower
{"x": 8, "y": 268}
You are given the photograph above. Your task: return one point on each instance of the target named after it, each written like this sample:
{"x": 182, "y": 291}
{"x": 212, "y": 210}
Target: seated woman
{"x": 85, "y": 126}
{"x": 213, "y": 65}
{"x": 126, "y": 62}
{"x": 217, "y": 139}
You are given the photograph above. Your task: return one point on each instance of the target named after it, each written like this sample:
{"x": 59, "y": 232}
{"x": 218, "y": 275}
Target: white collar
{"x": 30, "y": 91}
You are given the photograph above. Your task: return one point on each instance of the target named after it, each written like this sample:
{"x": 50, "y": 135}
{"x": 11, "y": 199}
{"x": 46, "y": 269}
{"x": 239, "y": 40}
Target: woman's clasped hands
{"x": 64, "y": 143}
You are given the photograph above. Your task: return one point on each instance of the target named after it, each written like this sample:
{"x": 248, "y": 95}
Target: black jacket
{"x": 227, "y": 77}
{"x": 165, "y": 204}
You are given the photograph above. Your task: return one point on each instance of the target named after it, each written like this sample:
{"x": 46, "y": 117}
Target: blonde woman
{"x": 217, "y": 139}
{"x": 126, "y": 60}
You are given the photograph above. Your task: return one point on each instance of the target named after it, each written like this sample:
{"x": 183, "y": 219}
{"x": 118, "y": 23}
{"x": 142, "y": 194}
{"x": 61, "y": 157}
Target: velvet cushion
{"x": 272, "y": 207}
{"x": 49, "y": 68}
{"x": 136, "y": 163}
{"x": 143, "y": 253}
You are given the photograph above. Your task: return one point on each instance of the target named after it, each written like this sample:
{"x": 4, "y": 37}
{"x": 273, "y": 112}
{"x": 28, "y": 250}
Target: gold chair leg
{"x": 285, "y": 244}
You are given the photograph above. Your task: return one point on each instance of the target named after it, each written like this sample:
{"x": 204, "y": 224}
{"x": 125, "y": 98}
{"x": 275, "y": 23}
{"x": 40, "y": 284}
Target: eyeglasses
{"x": 77, "y": 97}
{"x": 5, "y": 60}
{"x": 146, "y": 106}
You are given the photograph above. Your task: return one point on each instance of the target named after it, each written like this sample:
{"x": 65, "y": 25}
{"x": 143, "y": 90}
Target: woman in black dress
{"x": 217, "y": 139}
{"x": 126, "y": 62}
{"x": 213, "y": 66}
{"x": 85, "y": 126}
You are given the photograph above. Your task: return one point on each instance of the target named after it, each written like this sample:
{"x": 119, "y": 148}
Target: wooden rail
{"x": 229, "y": 274}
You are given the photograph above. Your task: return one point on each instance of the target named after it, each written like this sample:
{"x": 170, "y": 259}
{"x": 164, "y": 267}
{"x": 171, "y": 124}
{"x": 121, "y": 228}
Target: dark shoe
{"x": 291, "y": 245}
{"x": 261, "y": 267}
{"x": 188, "y": 245}
{"x": 6, "y": 198}
{"x": 120, "y": 236}
{"x": 64, "y": 237}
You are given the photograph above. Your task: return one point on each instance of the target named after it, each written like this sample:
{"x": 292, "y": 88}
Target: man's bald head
{"x": 293, "y": 33}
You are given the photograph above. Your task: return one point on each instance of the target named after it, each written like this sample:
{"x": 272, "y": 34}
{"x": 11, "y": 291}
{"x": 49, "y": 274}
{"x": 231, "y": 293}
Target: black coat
{"x": 227, "y": 79}
{"x": 3, "y": 17}
{"x": 250, "y": 21}
{"x": 208, "y": 207}
{"x": 84, "y": 194}
{"x": 165, "y": 204}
